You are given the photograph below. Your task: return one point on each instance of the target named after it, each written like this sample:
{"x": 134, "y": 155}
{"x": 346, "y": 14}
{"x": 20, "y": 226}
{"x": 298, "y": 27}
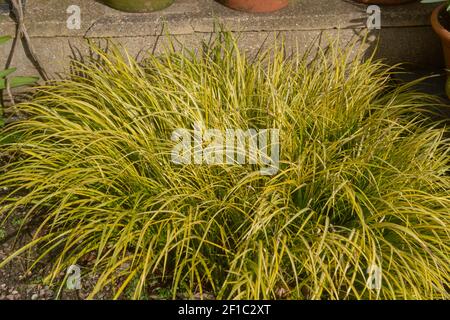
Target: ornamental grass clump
{"x": 359, "y": 208}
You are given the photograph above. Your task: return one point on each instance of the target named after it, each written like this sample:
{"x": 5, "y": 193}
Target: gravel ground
{"x": 16, "y": 282}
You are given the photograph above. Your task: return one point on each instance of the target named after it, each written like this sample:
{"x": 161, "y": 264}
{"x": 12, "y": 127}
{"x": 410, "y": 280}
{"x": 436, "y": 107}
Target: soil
{"x": 17, "y": 282}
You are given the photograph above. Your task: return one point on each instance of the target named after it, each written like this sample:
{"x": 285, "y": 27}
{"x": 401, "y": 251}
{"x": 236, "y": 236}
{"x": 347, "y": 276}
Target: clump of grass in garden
{"x": 363, "y": 179}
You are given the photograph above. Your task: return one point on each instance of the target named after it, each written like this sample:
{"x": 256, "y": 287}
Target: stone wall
{"x": 405, "y": 34}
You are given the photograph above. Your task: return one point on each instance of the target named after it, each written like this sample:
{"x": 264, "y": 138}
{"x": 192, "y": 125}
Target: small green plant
{"x": 17, "y": 222}
{"x": 436, "y": 1}
{"x": 363, "y": 179}
{"x": 14, "y": 82}
{"x": 130, "y": 291}
{"x": 164, "y": 293}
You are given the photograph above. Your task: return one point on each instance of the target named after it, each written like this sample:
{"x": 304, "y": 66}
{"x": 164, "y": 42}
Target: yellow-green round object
{"x": 138, "y": 5}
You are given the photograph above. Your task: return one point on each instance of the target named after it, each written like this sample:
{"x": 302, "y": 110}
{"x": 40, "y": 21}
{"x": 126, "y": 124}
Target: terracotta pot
{"x": 255, "y": 5}
{"x": 444, "y": 34}
{"x": 137, "y": 5}
{"x": 385, "y": 2}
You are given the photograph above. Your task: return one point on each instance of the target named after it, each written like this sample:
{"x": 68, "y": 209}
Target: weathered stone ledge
{"x": 405, "y": 34}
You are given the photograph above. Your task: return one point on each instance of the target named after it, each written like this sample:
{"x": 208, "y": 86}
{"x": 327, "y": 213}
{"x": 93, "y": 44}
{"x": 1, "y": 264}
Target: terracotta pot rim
{"x": 245, "y": 5}
{"x": 385, "y": 2}
{"x": 437, "y": 26}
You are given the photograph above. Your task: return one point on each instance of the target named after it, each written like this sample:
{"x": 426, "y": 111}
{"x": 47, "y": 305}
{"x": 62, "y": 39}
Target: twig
{"x": 8, "y": 64}
{"x": 23, "y": 34}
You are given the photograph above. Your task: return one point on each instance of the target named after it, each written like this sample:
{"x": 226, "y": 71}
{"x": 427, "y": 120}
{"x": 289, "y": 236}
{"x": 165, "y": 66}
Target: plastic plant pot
{"x": 444, "y": 35}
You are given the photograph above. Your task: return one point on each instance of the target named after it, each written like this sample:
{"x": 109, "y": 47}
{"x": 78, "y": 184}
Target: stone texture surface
{"x": 405, "y": 36}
